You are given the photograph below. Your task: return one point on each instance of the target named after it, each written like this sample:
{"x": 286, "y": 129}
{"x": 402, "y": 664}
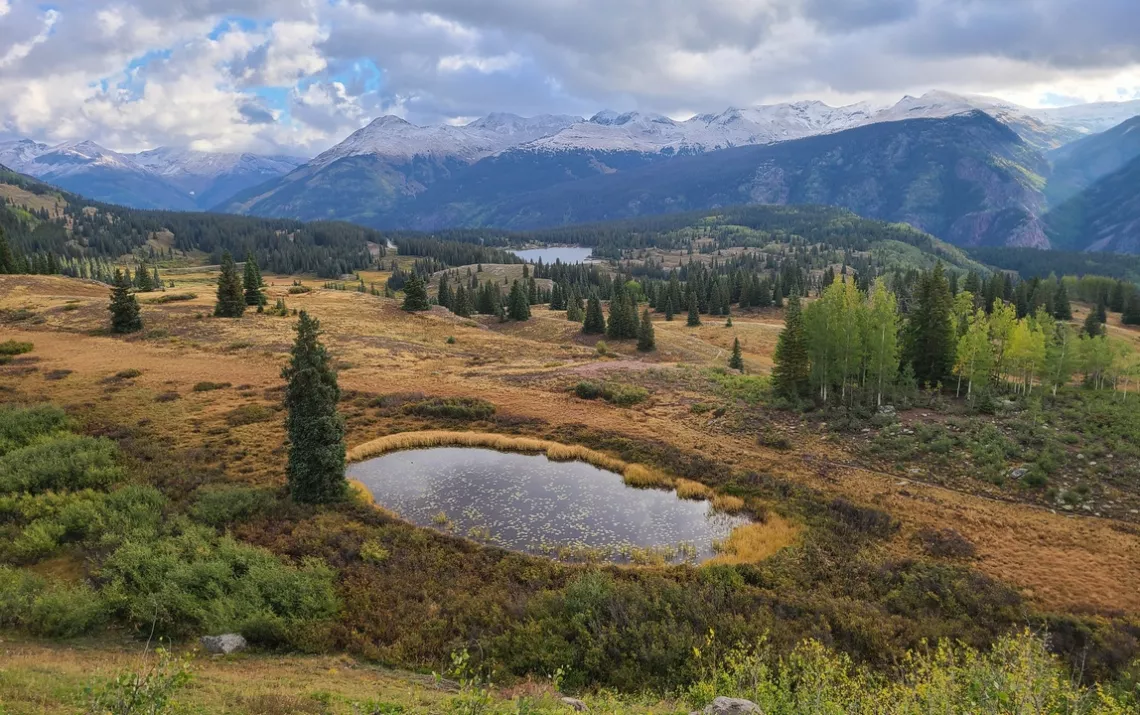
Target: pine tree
{"x": 462, "y": 301}
{"x": 7, "y": 258}
{"x": 124, "y": 306}
{"x": 156, "y": 281}
{"x": 646, "y": 341}
{"x": 142, "y": 279}
{"x": 1131, "y": 314}
{"x": 315, "y": 428}
{"x": 694, "y": 311}
{"x": 790, "y": 371}
{"x": 736, "y": 362}
{"x": 518, "y": 303}
{"x": 252, "y": 284}
{"x": 931, "y": 342}
{"x": 231, "y": 300}
{"x": 1062, "y": 309}
{"x": 595, "y": 321}
{"x": 445, "y": 297}
{"x": 415, "y": 294}
{"x": 1093, "y": 324}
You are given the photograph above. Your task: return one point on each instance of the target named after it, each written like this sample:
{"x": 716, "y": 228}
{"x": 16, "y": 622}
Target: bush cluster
{"x": 454, "y": 408}
{"x": 615, "y": 393}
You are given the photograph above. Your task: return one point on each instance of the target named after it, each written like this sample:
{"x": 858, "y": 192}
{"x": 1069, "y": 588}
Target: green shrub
{"x": 249, "y": 414}
{"x": 296, "y": 290}
{"x": 196, "y": 581}
{"x": 171, "y": 298}
{"x": 38, "y": 540}
{"x": 19, "y": 426}
{"x": 62, "y": 462}
{"x": 48, "y": 608}
{"x": 220, "y": 505}
{"x": 207, "y": 386}
{"x": 128, "y": 374}
{"x": 12, "y": 347}
{"x": 617, "y": 394}
{"x": 455, "y": 408}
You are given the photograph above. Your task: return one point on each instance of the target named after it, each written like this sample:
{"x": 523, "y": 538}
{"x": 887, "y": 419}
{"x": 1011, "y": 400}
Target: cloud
{"x": 299, "y": 75}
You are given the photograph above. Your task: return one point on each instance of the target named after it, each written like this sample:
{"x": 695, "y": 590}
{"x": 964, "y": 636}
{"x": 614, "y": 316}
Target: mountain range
{"x": 973, "y": 170}
{"x": 162, "y": 178}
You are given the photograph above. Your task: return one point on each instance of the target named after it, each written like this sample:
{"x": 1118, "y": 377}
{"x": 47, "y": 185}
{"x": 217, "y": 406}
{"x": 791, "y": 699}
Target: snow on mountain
{"x": 396, "y": 139}
{"x": 173, "y": 163}
{"x": 70, "y": 158}
{"x": 1089, "y": 118}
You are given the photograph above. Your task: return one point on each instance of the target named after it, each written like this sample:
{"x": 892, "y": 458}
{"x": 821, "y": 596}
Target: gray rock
{"x": 224, "y": 644}
{"x": 887, "y": 410}
{"x": 1019, "y": 472}
{"x": 731, "y": 706}
{"x": 575, "y": 704}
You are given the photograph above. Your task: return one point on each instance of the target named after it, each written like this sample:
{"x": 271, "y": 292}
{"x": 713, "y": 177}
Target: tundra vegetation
{"x": 932, "y": 456}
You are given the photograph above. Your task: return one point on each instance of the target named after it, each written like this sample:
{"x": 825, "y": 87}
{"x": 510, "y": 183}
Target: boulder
{"x": 731, "y": 706}
{"x": 575, "y": 704}
{"x": 224, "y": 644}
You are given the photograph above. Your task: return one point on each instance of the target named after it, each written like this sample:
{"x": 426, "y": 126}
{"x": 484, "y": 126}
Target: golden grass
{"x": 751, "y": 543}
{"x": 688, "y": 489}
{"x": 636, "y": 475}
{"x": 490, "y": 440}
{"x": 728, "y": 504}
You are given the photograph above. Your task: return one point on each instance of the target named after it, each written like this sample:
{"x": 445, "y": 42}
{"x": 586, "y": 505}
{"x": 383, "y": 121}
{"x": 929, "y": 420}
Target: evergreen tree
{"x": 694, "y": 312}
{"x": 1062, "y": 309}
{"x": 1131, "y": 314}
{"x": 736, "y": 362}
{"x": 7, "y": 257}
{"x": 1101, "y": 313}
{"x": 415, "y": 294}
{"x": 1093, "y": 324}
{"x": 595, "y": 321}
{"x": 124, "y": 306}
{"x": 252, "y": 284}
{"x": 231, "y": 300}
{"x": 790, "y": 370}
{"x": 931, "y": 342}
{"x": 156, "y": 281}
{"x": 646, "y": 341}
{"x": 623, "y": 314}
{"x": 445, "y": 297}
{"x": 315, "y": 428}
{"x": 462, "y": 302}
{"x": 518, "y": 303}
{"x": 143, "y": 281}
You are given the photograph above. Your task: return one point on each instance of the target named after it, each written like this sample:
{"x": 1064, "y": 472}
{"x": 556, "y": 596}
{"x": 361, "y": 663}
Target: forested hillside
{"x": 49, "y": 231}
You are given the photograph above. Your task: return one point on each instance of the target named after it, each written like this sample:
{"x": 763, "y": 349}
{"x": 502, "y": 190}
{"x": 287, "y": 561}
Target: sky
{"x": 297, "y": 76}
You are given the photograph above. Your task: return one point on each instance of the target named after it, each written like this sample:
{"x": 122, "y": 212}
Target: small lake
{"x": 568, "y": 510}
{"x": 550, "y": 254}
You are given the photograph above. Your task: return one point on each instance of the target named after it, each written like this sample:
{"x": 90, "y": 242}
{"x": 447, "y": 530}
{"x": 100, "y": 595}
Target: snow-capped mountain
{"x": 395, "y": 139}
{"x": 161, "y": 178}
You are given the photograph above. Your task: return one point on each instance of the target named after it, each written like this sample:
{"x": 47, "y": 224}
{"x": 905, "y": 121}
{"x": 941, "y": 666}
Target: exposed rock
{"x": 730, "y": 706}
{"x": 1019, "y": 472}
{"x": 575, "y": 704}
{"x": 224, "y": 644}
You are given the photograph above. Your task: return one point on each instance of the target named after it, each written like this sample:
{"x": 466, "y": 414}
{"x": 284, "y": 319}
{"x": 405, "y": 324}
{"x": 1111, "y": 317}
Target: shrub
{"x": 220, "y": 505}
{"x": 168, "y": 396}
{"x": 863, "y": 520}
{"x": 617, "y": 394}
{"x": 456, "y": 408}
{"x": 249, "y": 414}
{"x": 12, "y": 347}
{"x": 297, "y": 290}
{"x": 207, "y": 386}
{"x": 171, "y": 298}
{"x": 128, "y": 374}
{"x": 196, "y": 581}
{"x": 48, "y": 608}
{"x": 19, "y": 426}
{"x": 373, "y": 552}
{"x": 62, "y": 462}
{"x": 945, "y": 543}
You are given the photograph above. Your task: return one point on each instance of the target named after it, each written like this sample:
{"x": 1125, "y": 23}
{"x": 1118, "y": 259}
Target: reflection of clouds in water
{"x": 529, "y": 503}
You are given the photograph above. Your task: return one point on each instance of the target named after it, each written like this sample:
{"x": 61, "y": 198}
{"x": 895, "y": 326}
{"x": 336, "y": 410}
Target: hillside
{"x": 39, "y": 219}
{"x": 1079, "y": 165}
{"x": 968, "y": 180}
{"x": 1103, "y": 217}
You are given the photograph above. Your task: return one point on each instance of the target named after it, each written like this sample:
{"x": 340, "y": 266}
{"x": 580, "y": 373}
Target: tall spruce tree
{"x": 252, "y": 284}
{"x": 462, "y": 302}
{"x": 931, "y": 341}
{"x": 1062, "y": 308}
{"x": 736, "y": 362}
{"x": 315, "y": 428}
{"x": 415, "y": 294}
{"x": 790, "y": 370}
{"x": 646, "y": 341}
{"x": 231, "y": 298}
{"x": 445, "y": 296}
{"x": 124, "y": 306}
{"x": 1131, "y": 314}
{"x": 7, "y": 257}
{"x": 595, "y": 321}
{"x": 518, "y": 304}
{"x": 694, "y": 312}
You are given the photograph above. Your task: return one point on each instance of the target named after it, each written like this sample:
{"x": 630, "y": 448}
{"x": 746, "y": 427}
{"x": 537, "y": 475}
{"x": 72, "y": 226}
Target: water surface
{"x": 549, "y": 254}
{"x": 568, "y": 510}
